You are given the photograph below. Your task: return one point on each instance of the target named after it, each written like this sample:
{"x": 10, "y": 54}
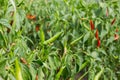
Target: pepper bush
{"x": 59, "y": 40}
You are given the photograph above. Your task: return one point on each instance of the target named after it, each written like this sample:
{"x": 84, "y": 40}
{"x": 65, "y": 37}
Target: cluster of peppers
{"x": 116, "y": 36}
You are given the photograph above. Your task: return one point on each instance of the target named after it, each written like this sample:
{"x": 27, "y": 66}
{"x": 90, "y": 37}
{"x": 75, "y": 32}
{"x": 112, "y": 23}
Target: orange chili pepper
{"x": 107, "y": 12}
{"x": 31, "y": 17}
{"x": 116, "y": 30}
{"x": 36, "y": 78}
{"x": 37, "y": 28}
{"x": 116, "y": 37}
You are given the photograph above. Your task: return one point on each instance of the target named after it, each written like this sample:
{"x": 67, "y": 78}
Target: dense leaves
{"x": 59, "y": 40}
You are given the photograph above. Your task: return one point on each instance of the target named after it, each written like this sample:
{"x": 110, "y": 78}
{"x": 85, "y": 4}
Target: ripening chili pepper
{"x": 8, "y": 30}
{"x": 11, "y": 22}
{"x": 83, "y": 18}
{"x": 48, "y": 30}
{"x": 98, "y": 43}
{"x": 97, "y": 34}
{"x": 36, "y": 78}
{"x": 12, "y": 44}
{"x": 116, "y": 30}
{"x": 116, "y": 37}
{"x": 31, "y": 17}
{"x": 23, "y": 60}
{"x": 12, "y": 13}
{"x": 37, "y": 28}
{"x": 107, "y": 12}
{"x": 113, "y": 21}
{"x": 48, "y": 24}
{"x": 91, "y": 25}
{"x": 7, "y": 67}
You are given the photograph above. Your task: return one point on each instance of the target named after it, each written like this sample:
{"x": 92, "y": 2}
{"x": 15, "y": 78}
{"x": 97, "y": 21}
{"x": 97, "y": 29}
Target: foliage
{"x": 59, "y": 39}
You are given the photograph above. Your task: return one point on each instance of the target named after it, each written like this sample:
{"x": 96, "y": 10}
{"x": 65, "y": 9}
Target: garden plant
{"x": 59, "y": 40}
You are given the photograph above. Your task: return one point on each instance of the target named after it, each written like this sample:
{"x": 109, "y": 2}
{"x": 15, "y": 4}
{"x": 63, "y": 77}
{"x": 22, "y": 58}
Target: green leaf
{"x": 51, "y": 63}
{"x": 41, "y": 74}
{"x": 32, "y": 71}
{"x": 13, "y": 4}
{"x": 103, "y": 34}
{"x": 86, "y": 37}
{"x": 3, "y": 41}
{"x": 25, "y": 72}
{"x": 110, "y": 40}
{"x": 18, "y": 23}
{"x": 5, "y": 23}
{"x": 2, "y": 67}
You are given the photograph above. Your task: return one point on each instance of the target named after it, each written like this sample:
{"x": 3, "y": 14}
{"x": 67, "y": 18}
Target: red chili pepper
{"x": 97, "y": 34}
{"x": 31, "y": 17}
{"x": 98, "y": 43}
{"x": 36, "y": 78}
{"x": 107, "y": 12}
{"x": 113, "y": 21}
{"x": 116, "y": 37}
{"x": 91, "y": 25}
{"x": 37, "y": 28}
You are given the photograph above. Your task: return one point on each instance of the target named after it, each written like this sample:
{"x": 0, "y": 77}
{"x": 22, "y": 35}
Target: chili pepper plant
{"x": 59, "y": 40}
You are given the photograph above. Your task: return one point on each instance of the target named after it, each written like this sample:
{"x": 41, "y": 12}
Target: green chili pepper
{"x": 18, "y": 71}
{"x": 83, "y": 65}
{"x": 59, "y": 73}
{"x": 52, "y": 39}
{"x": 42, "y": 36}
{"x": 99, "y": 74}
{"x": 85, "y": 26}
{"x": 76, "y": 40}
